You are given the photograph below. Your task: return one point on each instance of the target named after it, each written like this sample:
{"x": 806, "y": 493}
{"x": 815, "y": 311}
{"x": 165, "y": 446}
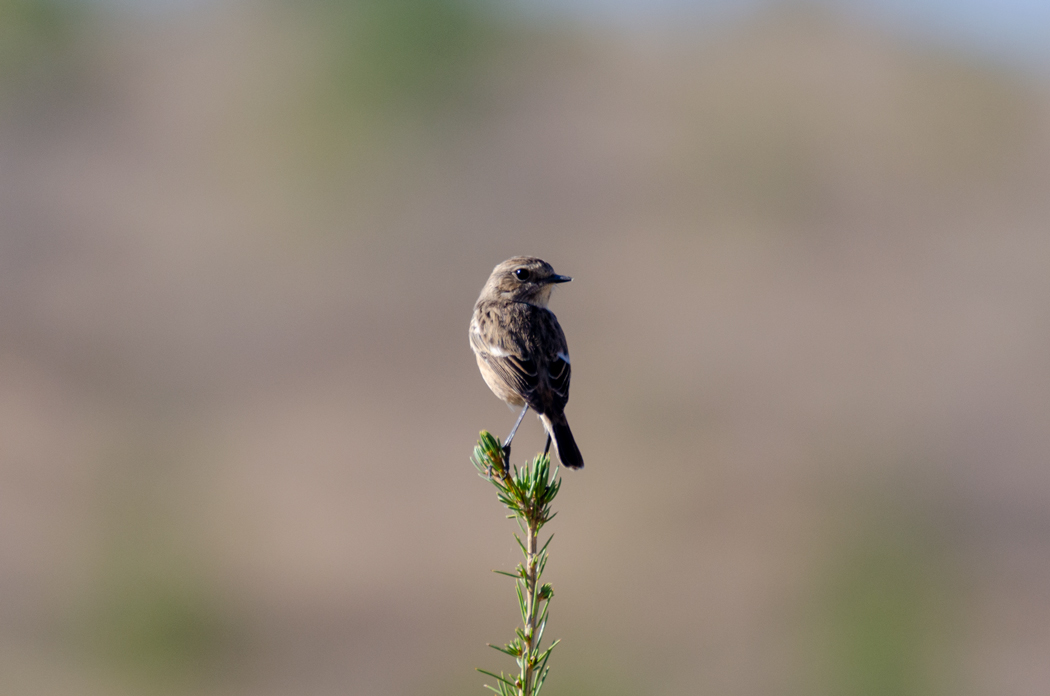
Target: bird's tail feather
{"x": 564, "y": 443}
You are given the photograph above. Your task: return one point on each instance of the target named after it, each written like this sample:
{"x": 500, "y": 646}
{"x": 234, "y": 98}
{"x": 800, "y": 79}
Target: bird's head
{"x": 522, "y": 279}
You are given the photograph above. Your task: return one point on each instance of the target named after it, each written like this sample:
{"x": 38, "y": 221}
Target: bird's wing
{"x": 559, "y": 371}
{"x": 525, "y": 347}
{"x": 507, "y": 357}
{"x": 556, "y": 362}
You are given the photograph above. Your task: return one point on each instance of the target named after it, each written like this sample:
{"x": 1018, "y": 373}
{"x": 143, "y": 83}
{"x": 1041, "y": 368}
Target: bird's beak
{"x": 558, "y": 279}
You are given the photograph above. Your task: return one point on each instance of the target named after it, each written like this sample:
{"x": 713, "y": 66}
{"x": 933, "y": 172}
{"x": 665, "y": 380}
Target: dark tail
{"x": 564, "y": 443}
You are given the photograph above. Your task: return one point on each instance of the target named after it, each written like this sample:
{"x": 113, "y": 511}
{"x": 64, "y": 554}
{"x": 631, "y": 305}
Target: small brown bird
{"x": 521, "y": 348}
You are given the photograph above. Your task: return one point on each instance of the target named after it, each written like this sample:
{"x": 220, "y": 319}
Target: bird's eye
{"x": 522, "y": 274}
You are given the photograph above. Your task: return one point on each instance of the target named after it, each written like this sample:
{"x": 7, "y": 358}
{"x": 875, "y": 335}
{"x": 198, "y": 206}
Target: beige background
{"x": 810, "y": 324}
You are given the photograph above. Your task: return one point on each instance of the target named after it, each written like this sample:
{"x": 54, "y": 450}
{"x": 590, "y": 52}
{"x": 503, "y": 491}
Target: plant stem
{"x": 530, "y": 602}
{"x": 527, "y": 492}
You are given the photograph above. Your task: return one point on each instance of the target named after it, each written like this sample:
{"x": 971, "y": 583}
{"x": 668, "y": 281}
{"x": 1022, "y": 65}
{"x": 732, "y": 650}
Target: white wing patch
{"x": 497, "y": 351}
{"x": 565, "y": 357}
{"x": 480, "y": 342}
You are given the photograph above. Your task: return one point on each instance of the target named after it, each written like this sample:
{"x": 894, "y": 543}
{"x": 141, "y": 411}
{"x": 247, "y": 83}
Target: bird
{"x": 521, "y": 349}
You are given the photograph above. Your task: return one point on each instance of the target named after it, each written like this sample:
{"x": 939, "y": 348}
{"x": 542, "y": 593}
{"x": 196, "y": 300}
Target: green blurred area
{"x": 888, "y": 611}
{"x": 386, "y": 70}
{"x": 35, "y": 38}
{"x": 405, "y": 51}
{"x": 150, "y": 615}
{"x": 158, "y": 633}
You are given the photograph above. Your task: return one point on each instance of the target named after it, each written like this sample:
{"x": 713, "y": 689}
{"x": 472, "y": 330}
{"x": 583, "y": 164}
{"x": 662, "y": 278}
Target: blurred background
{"x": 810, "y": 324}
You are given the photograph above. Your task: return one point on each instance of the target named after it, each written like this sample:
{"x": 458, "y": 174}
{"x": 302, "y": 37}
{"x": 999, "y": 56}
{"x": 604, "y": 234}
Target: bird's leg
{"x": 506, "y": 445}
{"x": 547, "y": 448}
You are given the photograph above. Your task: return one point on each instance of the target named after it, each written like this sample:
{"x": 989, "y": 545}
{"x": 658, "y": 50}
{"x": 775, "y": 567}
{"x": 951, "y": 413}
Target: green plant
{"x": 527, "y": 493}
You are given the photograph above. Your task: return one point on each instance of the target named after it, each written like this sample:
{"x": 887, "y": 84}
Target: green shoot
{"x": 527, "y": 494}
